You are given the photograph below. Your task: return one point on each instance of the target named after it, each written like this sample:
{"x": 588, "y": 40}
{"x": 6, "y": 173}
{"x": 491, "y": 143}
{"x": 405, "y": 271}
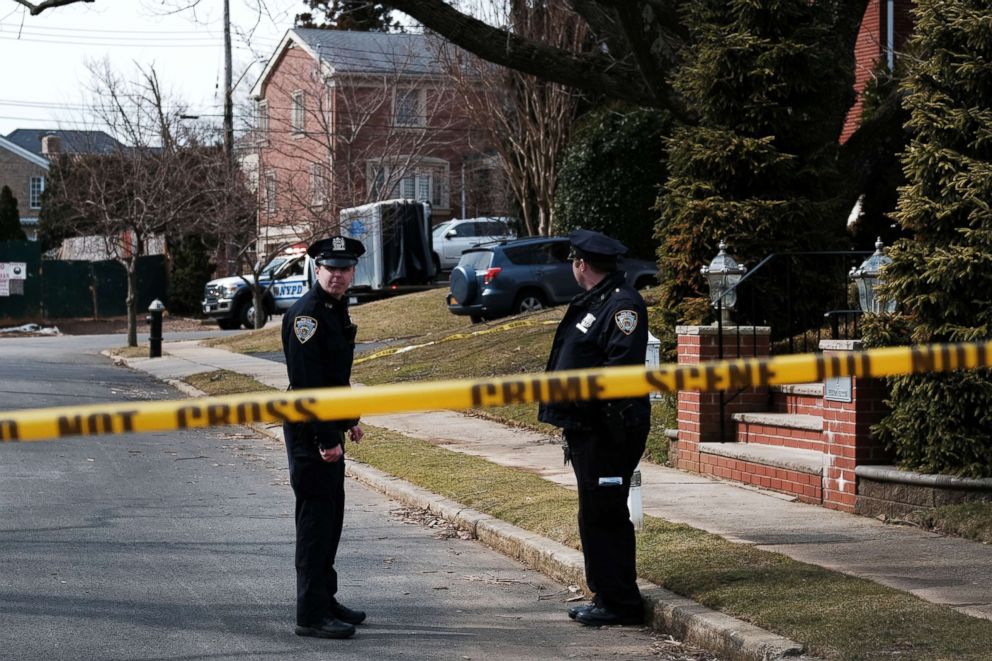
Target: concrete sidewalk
{"x": 939, "y": 569}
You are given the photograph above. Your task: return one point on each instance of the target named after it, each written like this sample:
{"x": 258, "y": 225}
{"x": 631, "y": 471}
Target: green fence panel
{"x": 21, "y": 300}
{"x": 110, "y": 280}
{"x": 111, "y": 285}
{"x": 152, "y": 281}
{"x": 67, "y": 289}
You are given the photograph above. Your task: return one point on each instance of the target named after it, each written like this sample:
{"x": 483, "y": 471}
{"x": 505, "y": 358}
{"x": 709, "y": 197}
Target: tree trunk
{"x": 130, "y": 264}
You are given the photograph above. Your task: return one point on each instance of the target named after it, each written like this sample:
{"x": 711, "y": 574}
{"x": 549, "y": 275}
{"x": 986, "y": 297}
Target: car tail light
{"x": 491, "y": 274}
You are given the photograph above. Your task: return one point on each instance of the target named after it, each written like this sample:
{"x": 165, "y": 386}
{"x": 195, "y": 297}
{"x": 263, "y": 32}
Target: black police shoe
{"x": 346, "y": 614}
{"x": 574, "y": 611}
{"x": 329, "y": 628}
{"x": 599, "y": 616}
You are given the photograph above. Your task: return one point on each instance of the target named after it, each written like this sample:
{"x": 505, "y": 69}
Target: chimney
{"x": 51, "y": 145}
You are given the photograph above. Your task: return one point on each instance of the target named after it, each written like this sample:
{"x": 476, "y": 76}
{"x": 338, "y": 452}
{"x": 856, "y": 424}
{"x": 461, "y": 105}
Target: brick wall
{"x": 869, "y": 49}
{"x": 699, "y": 412}
{"x": 847, "y": 430}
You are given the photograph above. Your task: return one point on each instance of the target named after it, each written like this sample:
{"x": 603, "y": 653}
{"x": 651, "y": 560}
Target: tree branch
{"x": 597, "y": 72}
{"x": 37, "y": 8}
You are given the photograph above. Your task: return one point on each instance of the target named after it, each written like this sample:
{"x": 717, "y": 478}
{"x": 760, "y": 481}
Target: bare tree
{"x": 151, "y": 185}
{"x": 525, "y": 118}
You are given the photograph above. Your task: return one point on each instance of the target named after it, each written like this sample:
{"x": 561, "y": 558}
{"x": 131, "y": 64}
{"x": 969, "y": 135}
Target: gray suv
{"x": 511, "y": 277}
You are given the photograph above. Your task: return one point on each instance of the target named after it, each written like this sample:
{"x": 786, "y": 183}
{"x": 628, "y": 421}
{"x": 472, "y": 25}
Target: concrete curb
{"x": 668, "y": 612}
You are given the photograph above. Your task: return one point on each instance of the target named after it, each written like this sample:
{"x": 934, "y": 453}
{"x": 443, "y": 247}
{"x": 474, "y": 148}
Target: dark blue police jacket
{"x": 605, "y": 326}
{"x": 318, "y": 340}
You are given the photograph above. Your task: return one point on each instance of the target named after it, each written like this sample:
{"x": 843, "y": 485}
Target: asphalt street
{"x": 180, "y": 545}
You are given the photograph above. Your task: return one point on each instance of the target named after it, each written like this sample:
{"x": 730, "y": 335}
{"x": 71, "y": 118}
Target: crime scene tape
{"x": 592, "y": 384}
{"x": 392, "y": 351}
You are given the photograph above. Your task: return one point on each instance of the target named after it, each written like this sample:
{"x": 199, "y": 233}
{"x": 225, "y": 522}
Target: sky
{"x": 44, "y": 81}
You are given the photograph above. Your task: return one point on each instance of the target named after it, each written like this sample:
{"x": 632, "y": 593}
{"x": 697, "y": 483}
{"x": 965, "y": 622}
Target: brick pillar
{"x": 847, "y": 428}
{"x": 698, "y": 413}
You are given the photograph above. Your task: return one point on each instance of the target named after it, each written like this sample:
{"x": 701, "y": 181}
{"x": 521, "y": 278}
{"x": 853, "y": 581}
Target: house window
{"x": 423, "y": 186}
{"x": 425, "y": 183}
{"x": 263, "y": 120}
{"x": 299, "y": 112}
{"x": 409, "y": 108}
{"x": 270, "y": 192}
{"x": 36, "y": 188}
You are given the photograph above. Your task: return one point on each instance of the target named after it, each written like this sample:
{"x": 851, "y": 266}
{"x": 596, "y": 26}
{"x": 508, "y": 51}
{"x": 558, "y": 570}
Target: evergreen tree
{"x": 191, "y": 269}
{"x": 10, "y": 219}
{"x": 942, "y": 277}
{"x": 770, "y": 82}
{"x": 356, "y": 15}
{"x": 610, "y": 173}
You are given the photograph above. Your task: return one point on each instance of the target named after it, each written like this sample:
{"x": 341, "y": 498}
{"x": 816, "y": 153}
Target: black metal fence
{"x": 803, "y": 297}
{"x": 59, "y": 289}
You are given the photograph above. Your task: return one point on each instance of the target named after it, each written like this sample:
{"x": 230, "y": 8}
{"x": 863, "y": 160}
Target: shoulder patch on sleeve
{"x": 305, "y": 328}
{"x": 626, "y": 321}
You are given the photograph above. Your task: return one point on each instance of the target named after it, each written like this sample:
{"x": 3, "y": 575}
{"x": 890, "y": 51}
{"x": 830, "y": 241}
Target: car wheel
{"x": 247, "y": 316}
{"x": 476, "y": 319}
{"x": 529, "y": 301}
{"x": 463, "y": 285}
{"x": 437, "y": 263}
{"x": 229, "y": 324}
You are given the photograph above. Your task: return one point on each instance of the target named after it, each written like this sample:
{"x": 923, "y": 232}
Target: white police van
{"x": 287, "y": 277}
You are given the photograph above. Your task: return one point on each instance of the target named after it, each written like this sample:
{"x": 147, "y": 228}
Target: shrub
{"x": 942, "y": 423}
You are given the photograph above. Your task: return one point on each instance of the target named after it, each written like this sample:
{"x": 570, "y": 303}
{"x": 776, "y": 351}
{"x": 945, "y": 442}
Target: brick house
{"x": 885, "y": 27}
{"x": 24, "y": 172}
{"x": 347, "y": 118}
{"x": 24, "y": 161}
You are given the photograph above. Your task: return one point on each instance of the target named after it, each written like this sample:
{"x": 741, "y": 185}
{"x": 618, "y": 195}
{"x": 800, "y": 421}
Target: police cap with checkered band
{"x": 336, "y": 251}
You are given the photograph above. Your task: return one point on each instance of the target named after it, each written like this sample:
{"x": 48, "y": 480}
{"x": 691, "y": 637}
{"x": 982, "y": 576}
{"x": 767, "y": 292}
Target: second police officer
{"x": 604, "y": 326}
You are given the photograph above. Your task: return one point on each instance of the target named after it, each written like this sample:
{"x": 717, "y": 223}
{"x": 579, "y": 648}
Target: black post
{"x": 719, "y": 353}
{"x": 154, "y": 318}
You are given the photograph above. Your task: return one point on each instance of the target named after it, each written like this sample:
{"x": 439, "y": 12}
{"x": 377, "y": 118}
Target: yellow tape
{"x": 593, "y": 384}
{"x": 391, "y": 351}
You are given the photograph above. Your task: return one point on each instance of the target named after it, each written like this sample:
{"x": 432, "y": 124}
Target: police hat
{"x": 595, "y": 246}
{"x": 337, "y": 251}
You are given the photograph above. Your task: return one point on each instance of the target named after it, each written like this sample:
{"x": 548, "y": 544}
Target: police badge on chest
{"x": 586, "y": 323}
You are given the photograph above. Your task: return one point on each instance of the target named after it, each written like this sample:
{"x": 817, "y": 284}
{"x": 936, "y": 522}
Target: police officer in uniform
{"x": 318, "y": 340}
{"x": 606, "y": 325}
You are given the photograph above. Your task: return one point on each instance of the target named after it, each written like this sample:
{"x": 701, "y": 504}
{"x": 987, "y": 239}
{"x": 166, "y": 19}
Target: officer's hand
{"x": 332, "y": 454}
{"x": 356, "y": 434}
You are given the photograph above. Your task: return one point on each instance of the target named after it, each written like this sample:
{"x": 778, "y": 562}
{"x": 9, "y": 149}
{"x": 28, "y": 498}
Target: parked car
{"x": 453, "y": 237}
{"x": 517, "y": 276}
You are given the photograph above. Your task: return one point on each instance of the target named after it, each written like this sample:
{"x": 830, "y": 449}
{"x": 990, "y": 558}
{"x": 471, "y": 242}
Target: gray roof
{"x": 73, "y": 142}
{"x": 373, "y": 52}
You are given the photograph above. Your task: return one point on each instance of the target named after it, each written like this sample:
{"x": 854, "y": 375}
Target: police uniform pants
{"x": 605, "y": 528}
{"x": 319, "y": 489}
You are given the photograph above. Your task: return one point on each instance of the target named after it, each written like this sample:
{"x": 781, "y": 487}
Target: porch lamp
{"x": 868, "y": 277}
{"x": 722, "y": 274}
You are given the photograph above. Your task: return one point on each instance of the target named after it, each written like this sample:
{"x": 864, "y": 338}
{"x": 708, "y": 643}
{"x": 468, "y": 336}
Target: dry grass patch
{"x": 968, "y": 520}
{"x": 408, "y": 316}
{"x": 223, "y": 382}
{"x": 140, "y": 351}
